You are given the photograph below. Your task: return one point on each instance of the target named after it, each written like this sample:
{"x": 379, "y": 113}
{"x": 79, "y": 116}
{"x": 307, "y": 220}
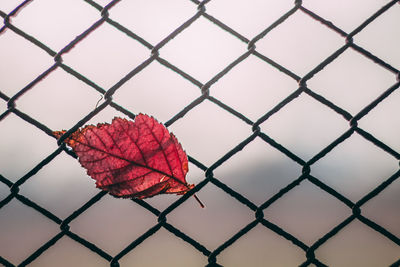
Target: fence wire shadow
{"x": 204, "y": 89}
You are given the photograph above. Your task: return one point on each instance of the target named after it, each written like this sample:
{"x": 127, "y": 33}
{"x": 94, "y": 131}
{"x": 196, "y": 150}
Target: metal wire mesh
{"x": 204, "y": 90}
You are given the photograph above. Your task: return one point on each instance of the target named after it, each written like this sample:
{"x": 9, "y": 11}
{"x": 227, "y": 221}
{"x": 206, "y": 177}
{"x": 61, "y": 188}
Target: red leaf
{"x": 131, "y": 159}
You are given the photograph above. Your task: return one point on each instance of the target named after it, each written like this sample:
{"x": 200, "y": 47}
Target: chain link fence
{"x": 204, "y": 90}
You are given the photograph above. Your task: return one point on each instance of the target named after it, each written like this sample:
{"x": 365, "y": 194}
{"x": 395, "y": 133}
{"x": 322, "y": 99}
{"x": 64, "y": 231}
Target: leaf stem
{"x": 198, "y": 200}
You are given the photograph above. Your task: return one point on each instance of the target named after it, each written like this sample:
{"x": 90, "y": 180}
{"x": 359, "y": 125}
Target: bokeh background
{"x": 207, "y": 132}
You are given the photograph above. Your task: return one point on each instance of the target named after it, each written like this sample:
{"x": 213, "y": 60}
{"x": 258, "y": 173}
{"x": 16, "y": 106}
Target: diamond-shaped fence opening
{"x": 289, "y": 117}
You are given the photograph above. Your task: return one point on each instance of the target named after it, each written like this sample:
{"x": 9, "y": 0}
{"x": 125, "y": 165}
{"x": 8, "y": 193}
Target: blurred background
{"x": 207, "y": 131}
